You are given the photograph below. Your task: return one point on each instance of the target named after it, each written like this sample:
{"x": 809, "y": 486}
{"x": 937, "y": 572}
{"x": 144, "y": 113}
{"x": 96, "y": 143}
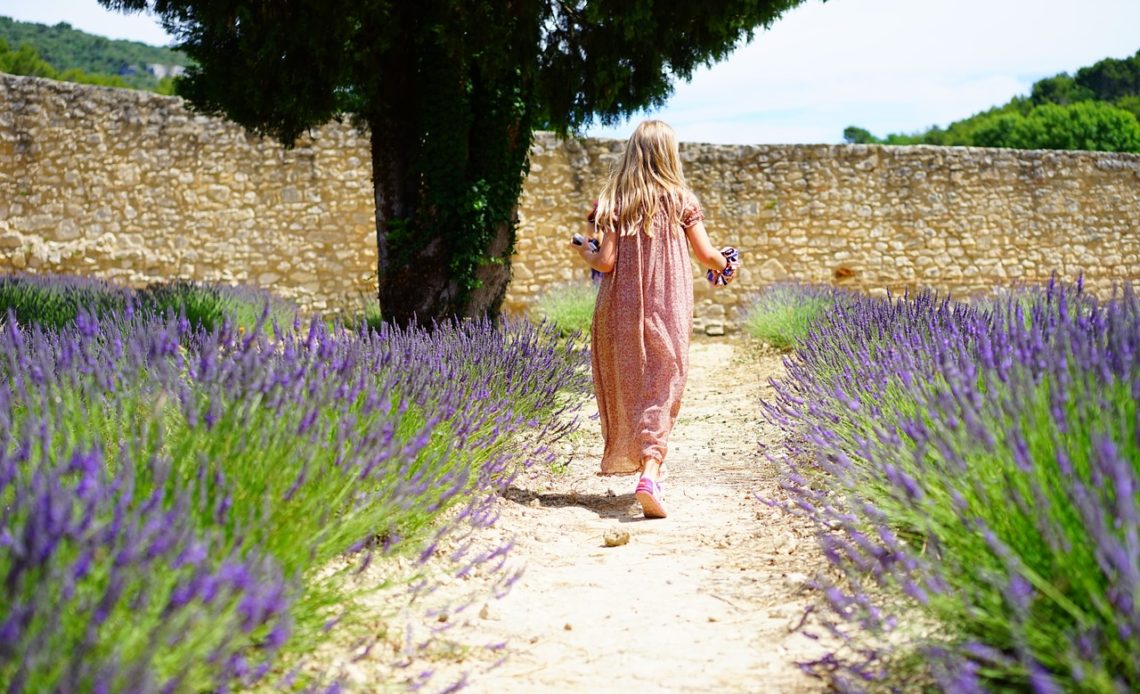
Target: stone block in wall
{"x": 772, "y": 270}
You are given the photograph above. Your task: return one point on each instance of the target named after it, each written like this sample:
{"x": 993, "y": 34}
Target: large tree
{"x": 450, "y": 92}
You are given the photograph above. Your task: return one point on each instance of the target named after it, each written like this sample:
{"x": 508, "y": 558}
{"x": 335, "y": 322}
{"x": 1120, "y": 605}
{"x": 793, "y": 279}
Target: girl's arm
{"x": 605, "y": 258}
{"x": 707, "y": 255}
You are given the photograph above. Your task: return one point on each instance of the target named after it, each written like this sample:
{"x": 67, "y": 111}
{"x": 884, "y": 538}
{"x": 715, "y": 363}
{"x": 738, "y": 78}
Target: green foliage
{"x": 369, "y": 319}
{"x": 80, "y": 77}
{"x": 962, "y": 133}
{"x": 1101, "y": 91}
{"x": 55, "y": 302}
{"x": 27, "y": 62}
{"x": 782, "y": 314}
{"x": 200, "y": 304}
{"x": 1111, "y": 79}
{"x": 451, "y": 92}
{"x": 1060, "y": 89}
{"x": 1087, "y": 125}
{"x": 783, "y": 327}
{"x": 54, "y": 305}
{"x": 24, "y": 61}
{"x": 1130, "y": 104}
{"x": 997, "y": 131}
{"x": 569, "y": 307}
{"x": 858, "y": 136}
{"x": 76, "y": 56}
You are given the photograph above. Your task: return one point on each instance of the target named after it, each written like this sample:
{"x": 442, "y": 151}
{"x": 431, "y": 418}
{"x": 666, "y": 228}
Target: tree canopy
{"x": 1098, "y": 108}
{"x": 1087, "y": 125}
{"x": 450, "y": 91}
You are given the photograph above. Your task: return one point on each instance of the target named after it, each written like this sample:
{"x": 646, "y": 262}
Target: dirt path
{"x": 706, "y": 600}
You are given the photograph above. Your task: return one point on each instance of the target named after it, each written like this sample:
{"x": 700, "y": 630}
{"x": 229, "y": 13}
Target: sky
{"x": 883, "y": 65}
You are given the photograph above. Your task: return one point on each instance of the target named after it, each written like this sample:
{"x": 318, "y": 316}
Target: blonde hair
{"x": 647, "y": 175}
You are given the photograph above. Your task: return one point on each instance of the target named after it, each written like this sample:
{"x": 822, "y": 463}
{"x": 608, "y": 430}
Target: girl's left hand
{"x": 728, "y": 274}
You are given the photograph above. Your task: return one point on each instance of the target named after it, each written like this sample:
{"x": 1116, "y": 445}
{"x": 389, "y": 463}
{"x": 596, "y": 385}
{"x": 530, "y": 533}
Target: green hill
{"x": 1098, "y": 108}
{"x": 75, "y": 55}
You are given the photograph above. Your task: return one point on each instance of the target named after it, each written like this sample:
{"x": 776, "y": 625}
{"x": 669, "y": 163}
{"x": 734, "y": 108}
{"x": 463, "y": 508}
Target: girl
{"x": 647, "y": 218}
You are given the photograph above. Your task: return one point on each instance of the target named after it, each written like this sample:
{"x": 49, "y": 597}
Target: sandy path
{"x": 705, "y": 600}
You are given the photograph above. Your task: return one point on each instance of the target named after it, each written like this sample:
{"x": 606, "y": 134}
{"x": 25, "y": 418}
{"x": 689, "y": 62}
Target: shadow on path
{"x": 623, "y": 507}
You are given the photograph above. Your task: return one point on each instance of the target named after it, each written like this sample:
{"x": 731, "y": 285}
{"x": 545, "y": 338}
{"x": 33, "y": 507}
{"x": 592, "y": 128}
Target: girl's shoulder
{"x": 691, "y": 211}
{"x": 682, "y": 197}
{"x": 689, "y": 200}
{"x": 686, "y": 197}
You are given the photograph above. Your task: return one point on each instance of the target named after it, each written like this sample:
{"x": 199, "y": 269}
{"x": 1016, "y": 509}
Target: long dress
{"x": 640, "y": 341}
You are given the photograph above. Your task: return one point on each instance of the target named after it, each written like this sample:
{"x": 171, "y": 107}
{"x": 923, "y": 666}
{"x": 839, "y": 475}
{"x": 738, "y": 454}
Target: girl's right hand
{"x": 581, "y": 243}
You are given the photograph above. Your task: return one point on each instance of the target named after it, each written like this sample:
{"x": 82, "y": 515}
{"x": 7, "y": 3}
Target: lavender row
{"x": 55, "y": 301}
{"x": 170, "y": 497}
{"x": 976, "y": 467}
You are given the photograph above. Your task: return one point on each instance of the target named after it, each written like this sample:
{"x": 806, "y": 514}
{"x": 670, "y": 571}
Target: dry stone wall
{"x": 134, "y": 187}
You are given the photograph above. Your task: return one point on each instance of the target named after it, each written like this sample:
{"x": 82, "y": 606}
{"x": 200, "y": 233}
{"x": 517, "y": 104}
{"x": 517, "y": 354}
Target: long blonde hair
{"x": 647, "y": 175}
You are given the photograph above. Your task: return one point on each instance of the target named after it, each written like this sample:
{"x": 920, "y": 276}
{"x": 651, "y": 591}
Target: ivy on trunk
{"x": 449, "y": 153}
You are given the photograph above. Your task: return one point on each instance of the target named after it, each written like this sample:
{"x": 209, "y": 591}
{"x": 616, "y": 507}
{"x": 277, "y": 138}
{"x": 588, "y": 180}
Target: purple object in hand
{"x": 577, "y": 240}
{"x": 724, "y": 277}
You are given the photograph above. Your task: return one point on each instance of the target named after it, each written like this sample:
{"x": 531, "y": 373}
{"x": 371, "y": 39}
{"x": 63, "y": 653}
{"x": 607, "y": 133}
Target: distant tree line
{"x": 1097, "y": 109}
{"x": 26, "y": 61}
{"x": 65, "y": 53}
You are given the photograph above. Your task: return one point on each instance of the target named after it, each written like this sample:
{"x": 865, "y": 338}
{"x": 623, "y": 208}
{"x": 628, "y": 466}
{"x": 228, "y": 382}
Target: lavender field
{"x": 973, "y": 470}
{"x": 192, "y": 479}
{"x": 180, "y": 466}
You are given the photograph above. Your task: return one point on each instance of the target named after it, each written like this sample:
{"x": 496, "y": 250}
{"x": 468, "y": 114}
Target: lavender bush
{"x": 977, "y": 471}
{"x": 568, "y": 307}
{"x": 171, "y": 497}
{"x": 782, "y": 313}
{"x": 55, "y": 301}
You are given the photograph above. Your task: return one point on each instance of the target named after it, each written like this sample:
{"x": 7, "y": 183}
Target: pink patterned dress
{"x": 640, "y": 341}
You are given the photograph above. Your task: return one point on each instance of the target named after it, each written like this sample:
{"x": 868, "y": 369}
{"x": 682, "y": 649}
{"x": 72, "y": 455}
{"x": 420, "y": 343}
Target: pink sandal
{"x": 649, "y": 496}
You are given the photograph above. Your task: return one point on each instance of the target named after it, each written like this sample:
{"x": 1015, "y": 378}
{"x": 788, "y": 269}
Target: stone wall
{"x": 133, "y": 187}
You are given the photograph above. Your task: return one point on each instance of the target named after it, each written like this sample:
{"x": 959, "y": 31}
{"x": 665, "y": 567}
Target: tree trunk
{"x": 418, "y": 251}
{"x": 448, "y": 163}
{"x": 494, "y": 276}
{"x": 412, "y": 273}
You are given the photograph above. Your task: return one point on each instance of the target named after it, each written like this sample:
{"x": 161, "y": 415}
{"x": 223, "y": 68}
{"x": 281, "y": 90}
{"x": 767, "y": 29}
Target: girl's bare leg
{"x": 651, "y": 468}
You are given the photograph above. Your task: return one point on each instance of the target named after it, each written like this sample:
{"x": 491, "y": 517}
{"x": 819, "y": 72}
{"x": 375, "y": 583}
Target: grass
{"x": 782, "y": 314}
{"x": 569, "y": 308}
